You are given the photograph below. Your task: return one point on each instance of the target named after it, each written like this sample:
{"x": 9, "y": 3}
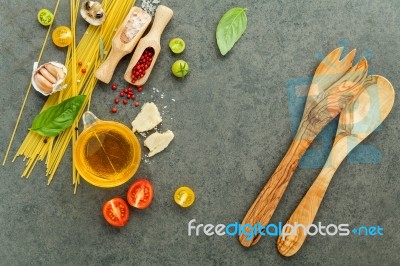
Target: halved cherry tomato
{"x": 62, "y": 36}
{"x": 140, "y": 194}
{"x": 177, "y": 45}
{"x": 116, "y": 212}
{"x": 45, "y": 17}
{"x": 184, "y": 196}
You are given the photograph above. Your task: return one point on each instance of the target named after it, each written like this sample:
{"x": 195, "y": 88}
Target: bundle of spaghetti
{"x": 80, "y": 80}
{"x": 29, "y": 88}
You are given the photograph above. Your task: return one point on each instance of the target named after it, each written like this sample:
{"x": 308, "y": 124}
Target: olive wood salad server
{"x": 152, "y": 39}
{"x": 356, "y": 122}
{"x": 334, "y": 85}
{"x": 122, "y": 44}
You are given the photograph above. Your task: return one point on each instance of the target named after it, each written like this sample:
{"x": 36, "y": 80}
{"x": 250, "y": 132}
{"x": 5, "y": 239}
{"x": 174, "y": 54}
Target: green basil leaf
{"x": 230, "y": 28}
{"x": 55, "y": 119}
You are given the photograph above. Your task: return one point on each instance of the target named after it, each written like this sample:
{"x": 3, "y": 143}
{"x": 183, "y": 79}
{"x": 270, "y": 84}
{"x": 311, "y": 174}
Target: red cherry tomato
{"x": 140, "y": 194}
{"x": 116, "y": 212}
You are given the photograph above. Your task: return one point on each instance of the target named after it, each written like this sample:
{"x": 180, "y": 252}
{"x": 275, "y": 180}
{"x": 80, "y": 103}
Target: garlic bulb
{"x": 48, "y": 78}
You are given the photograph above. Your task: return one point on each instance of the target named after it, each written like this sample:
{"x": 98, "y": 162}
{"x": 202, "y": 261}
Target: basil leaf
{"x": 230, "y": 28}
{"x": 55, "y": 119}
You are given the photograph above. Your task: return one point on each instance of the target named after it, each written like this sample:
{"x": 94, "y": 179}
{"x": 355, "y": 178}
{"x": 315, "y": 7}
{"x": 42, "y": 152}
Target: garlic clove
{"x": 55, "y": 71}
{"x": 43, "y": 83}
{"x": 52, "y": 79}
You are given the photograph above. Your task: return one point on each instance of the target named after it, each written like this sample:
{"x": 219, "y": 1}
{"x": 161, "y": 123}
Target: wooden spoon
{"x": 334, "y": 85}
{"x": 152, "y": 39}
{"x": 356, "y": 122}
{"x": 122, "y": 44}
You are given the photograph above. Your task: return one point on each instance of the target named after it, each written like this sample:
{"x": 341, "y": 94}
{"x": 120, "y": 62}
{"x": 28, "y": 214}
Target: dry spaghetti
{"x": 86, "y": 55}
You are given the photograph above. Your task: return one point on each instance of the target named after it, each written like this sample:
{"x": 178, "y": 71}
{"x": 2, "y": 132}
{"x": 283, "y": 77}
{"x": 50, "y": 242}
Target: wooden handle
{"x": 162, "y": 17}
{"x": 304, "y": 214}
{"x": 119, "y": 48}
{"x": 152, "y": 39}
{"x": 306, "y": 211}
{"x": 321, "y": 107}
{"x": 107, "y": 68}
{"x": 265, "y": 204}
{"x": 359, "y": 119}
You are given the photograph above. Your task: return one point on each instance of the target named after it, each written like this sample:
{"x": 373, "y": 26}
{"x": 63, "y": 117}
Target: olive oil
{"x": 107, "y": 154}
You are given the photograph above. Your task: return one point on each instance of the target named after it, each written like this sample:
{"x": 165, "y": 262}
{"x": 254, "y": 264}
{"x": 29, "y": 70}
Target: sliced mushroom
{"x": 99, "y": 14}
{"x": 92, "y": 12}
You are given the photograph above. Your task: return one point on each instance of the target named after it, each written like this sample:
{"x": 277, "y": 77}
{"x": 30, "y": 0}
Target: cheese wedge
{"x": 148, "y": 118}
{"x": 157, "y": 142}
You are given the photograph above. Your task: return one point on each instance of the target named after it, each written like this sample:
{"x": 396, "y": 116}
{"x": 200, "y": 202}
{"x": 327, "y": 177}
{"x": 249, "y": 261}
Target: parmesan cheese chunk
{"x": 157, "y": 142}
{"x": 148, "y": 118}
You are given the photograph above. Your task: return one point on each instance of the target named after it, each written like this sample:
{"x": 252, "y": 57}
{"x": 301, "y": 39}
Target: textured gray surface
{"x": 231, "y": 123}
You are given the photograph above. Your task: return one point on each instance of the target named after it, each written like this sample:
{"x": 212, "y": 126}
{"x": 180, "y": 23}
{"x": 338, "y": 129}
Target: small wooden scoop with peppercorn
{"x": 148, "y": 49}
{"x": 335, "y": 85}
{"x": 125, "y": 39}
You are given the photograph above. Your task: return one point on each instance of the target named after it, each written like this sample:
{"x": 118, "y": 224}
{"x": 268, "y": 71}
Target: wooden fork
{"x": 334, "y": 84}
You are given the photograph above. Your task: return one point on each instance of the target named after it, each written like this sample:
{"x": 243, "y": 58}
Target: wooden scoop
{"x": 123, "y": 43}
{"x": 334, "y": 85}
{"x": 152, "y": 39}
{"x": 356, "y": 122}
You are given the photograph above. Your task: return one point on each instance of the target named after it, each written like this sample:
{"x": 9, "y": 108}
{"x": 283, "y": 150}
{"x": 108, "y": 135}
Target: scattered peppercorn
{"x": 125, "y": 94}
{"x": 83, "y": 70}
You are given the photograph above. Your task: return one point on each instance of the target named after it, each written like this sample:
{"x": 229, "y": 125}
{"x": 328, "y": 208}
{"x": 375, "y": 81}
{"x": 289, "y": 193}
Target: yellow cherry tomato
{"x": 62, "y": 36}
{"x": 184, "y": 196}
{"x": 45, "y": 17}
